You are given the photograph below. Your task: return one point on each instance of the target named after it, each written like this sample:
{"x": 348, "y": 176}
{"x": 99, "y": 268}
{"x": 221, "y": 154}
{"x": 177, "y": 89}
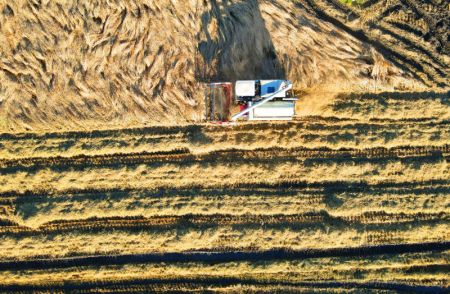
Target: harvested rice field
{"x": 116, "y": 183}
{"x": 323, "y": 204}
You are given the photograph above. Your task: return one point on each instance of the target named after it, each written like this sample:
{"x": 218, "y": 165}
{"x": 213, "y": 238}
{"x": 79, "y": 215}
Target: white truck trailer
{"x": 265, "y": 100}
{"x": 258, "y": 100}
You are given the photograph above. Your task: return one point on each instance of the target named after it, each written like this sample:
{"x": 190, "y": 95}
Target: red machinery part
{"x": 225, "y": 103}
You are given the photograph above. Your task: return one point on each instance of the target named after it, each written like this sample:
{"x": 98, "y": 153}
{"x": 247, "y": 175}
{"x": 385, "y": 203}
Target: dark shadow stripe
{"x": 286, "y": 187}
{"x": 213, "y": 257}
{"x": 183, "y": 156}
{"x": 390, "y": 54}
{"x": 372, "y": 220}
{"x": 187, "y": 132}
{"x": 199, "y": 283}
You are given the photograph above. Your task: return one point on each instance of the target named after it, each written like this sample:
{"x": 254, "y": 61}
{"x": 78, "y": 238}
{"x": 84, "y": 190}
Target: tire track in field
{"x": 305, "y": 193}
{"x": 208, "y": 283}
{"x": 328, "y": 123}
{"x": 183, "y": 155}
{"x": 300, "y": 133}
{"x": 279, "y": 188}
{"x": 216, "y": 220}
{"x": 399, "y": 59}
{"x": 426, "y": 46}
{"x": 228, "y": 256}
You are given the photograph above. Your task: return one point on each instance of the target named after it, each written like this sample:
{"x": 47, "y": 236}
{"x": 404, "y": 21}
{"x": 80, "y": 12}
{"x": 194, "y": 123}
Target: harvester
{"x": 257, "y": 99}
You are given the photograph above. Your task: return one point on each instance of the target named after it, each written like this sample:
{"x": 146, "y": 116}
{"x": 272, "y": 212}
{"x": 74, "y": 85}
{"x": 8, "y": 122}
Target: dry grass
{"x": 36, "y": 211}
{"x": 124, "y": 170}
{"x": 103, "y": 64}
{"x": 314, "y": 132}
{"x": 378, "y": 268}
{"x": 185, "y": 238}
{"x": 211, "y": 174}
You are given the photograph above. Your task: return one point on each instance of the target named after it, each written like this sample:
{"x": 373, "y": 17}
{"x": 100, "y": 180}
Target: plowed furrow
{"x": 217, "y": 282}
{"x": 95, "y": 134}
{"x": 119, "y": 158}
{"x": 183, "y": 155}
{"x": 409, "y": 65}
{"x": 312, "y": 132}
{"x": 227, "y": 256}
{"x": 385, "y": 12}
{"x": 278, "y": 188}
{"x": 404, "y": 27}
{"x": 189, "y": 130}
{"x": 426, "y": 63}
{"x": 165, "y": 222}
{"x": 409, "y": 44}
{"x": 368, "y": 3}
{"x": 396, "y": 53}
